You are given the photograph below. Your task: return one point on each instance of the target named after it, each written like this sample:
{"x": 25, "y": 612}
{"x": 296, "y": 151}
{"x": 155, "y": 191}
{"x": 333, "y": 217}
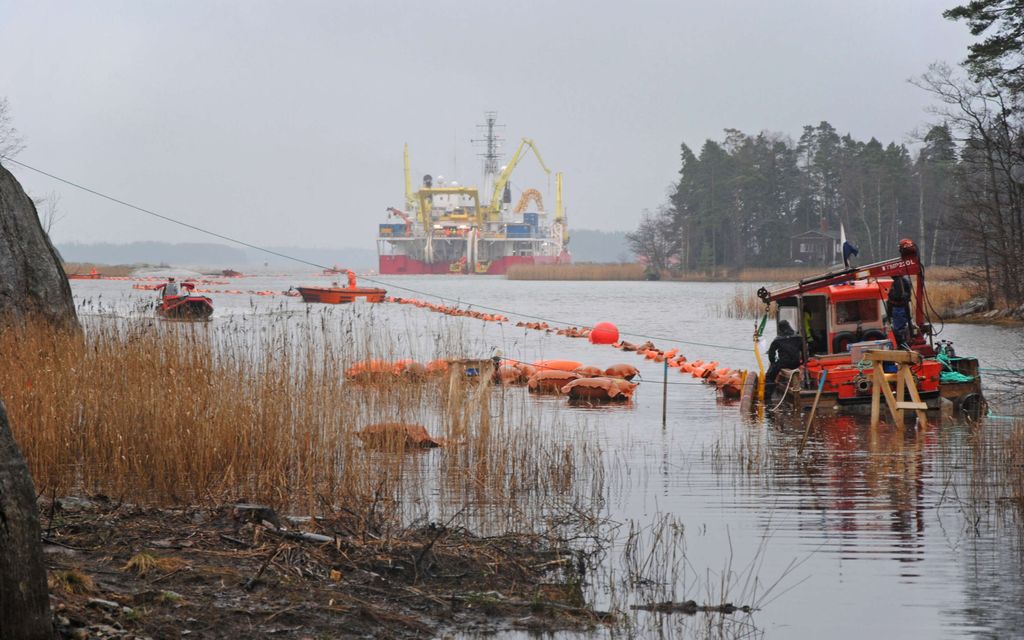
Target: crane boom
{"x": 410, "y": 197}
{"x": 494, "y": 208}
{"x": 908, "y": 264}
{"x": 560, "y": 208}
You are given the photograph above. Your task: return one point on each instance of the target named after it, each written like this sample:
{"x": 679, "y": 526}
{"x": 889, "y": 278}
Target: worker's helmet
{"x": 907, "y": 248}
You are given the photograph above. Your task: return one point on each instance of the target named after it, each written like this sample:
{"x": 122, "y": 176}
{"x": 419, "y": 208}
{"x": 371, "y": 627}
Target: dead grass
{"x": 116, "y": 270}
{"x": 578, "y": 271}
{"x": 143, "y": 563}
{"x": 743, "y": 304}
{"x": 180, "y": 414}
{"x": 70, "y": 581}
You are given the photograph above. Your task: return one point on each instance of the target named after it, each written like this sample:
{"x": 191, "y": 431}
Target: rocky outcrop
{"x": 32, "y": 281}
{"x": 24, "y": 597}
{"x": 33, "y": 288}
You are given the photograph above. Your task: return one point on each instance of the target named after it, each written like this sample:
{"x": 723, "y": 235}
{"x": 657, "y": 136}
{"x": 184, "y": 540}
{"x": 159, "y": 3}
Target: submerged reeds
{"x": 115, "y": 270}
{"x": 577, "y": 271}
{"x": 183, "y": 414}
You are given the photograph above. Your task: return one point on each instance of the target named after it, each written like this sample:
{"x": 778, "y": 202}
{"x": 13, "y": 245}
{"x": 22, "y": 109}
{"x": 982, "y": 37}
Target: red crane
{"x": 404, "y": 216}
{"x": 907, "y": 264}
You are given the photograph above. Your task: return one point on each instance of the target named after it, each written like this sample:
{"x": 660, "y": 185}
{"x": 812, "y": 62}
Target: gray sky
{"x": 283, "y": 122}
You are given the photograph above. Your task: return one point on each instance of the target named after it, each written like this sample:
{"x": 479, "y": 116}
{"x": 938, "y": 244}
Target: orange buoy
{"x": 604, "y": 333}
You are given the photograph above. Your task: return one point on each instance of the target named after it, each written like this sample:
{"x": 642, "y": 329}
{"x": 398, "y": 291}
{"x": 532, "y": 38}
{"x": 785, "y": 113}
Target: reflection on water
{"x": 870, "y": 532}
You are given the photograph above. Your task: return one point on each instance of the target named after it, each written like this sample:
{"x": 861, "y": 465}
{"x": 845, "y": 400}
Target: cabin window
{"x": 856, "y": 311}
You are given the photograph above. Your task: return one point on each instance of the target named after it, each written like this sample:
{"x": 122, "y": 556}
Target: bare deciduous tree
{"x": 11, "y": 142}
{"x": 48, "y": 208}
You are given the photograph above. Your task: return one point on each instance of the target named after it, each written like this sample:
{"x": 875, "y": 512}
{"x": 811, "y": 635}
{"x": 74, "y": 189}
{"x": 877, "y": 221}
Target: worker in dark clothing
{"x": 785, "y": 352}
{"x": 897, "y": 306}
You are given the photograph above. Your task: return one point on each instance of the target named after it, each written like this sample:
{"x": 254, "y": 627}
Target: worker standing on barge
{"x": 785, "y": 352}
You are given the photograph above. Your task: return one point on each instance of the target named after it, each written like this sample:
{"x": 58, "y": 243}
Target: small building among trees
{"x": 815, "y": 247}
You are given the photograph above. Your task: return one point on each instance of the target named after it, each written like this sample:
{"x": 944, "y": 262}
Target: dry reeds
{"x": 183, "y": 414}
{"x": 743, "y": 304}
{"x": 579, "y": 271}
{"x": 116, "y": 270}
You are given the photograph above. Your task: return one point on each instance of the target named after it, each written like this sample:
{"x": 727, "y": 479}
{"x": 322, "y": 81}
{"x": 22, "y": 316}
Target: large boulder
{"x": 32, "y": 280}
{"x": 33, "y": 288}
{"x": 24, "y": 597}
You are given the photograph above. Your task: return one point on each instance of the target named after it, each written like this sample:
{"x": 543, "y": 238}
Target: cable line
{"x": 320, "y": 266}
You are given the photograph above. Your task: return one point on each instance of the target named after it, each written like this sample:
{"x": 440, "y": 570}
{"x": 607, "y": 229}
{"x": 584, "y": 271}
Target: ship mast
{"x": 491, "y": 143}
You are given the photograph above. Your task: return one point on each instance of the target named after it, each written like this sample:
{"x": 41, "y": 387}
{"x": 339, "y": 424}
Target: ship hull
{"x": 406, "y": 265}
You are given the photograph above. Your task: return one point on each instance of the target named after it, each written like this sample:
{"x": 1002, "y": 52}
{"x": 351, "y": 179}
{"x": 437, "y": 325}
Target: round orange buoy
{"x": 604, "y": 333}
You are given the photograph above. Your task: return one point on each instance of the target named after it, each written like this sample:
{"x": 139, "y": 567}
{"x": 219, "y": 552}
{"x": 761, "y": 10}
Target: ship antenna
{"x": 491, "y": 143}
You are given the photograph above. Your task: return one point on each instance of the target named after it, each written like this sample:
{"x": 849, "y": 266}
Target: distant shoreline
{"x": 637, "y": 271}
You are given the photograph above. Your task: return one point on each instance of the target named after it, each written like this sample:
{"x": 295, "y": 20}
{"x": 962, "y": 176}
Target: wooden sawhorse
{"x": 904, "y": 379}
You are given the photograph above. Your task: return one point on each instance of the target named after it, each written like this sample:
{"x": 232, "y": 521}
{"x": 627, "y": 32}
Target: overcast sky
{"x": 283, "y": 122}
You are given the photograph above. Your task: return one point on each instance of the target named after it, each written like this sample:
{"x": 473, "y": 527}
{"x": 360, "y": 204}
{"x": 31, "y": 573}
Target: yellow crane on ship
{"x": 494, "y": 208}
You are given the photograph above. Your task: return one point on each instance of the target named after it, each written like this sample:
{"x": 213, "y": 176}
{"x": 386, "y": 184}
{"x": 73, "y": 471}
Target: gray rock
{"x": 974, "y": 305}
{"x": 74, "y": 503}
{"x": 99, "y": 603}
{"x": 32, "y": 280}
{"x": 25, "y": 609}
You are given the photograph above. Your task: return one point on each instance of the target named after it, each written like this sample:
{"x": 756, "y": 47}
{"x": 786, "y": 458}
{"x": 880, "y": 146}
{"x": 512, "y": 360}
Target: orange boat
{"x": 186, "y": 307}
{"x": 340, "y": 295}
{"x": 92, "y": 275}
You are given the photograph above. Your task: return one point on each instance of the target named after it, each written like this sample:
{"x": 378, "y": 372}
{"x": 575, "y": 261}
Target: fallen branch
{"x": 690, "y": 607}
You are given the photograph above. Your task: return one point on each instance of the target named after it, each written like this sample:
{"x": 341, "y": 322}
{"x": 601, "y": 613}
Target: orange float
{"x": 589, "y": 371}
{"x": 396, "y": 435}
{"x": 550, "y": 381}
{"x": 509, "y": 375}
{"x": 557, "y": 365}
{"x": 604, "y": 333}
{"x": 599, "y": 390}
{"x": 624, "y": 371}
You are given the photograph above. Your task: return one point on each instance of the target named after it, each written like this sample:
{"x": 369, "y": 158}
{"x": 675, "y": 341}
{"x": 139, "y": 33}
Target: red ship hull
{"x": 404, "y": 265}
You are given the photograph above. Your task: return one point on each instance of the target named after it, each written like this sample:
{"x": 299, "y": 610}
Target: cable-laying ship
{"x": 446, "y": 229}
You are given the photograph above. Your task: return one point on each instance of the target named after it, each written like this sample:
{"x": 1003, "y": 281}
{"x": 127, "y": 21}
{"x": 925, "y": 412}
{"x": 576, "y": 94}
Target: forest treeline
{"x": 958, "y": 190}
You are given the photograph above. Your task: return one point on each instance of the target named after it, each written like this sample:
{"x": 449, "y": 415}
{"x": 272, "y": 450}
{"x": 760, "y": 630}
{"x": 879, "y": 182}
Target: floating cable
{"x": 320, "y": 266}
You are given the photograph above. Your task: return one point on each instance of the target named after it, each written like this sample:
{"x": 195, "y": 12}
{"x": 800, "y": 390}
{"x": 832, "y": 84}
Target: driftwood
{"x": 690, "y": 607}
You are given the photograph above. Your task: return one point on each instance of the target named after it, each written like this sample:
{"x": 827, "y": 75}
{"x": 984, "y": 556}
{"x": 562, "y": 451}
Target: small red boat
{"x": 341, "y": 295}
{"x": 188, "y": 307}
{"x": 92, "y": 275}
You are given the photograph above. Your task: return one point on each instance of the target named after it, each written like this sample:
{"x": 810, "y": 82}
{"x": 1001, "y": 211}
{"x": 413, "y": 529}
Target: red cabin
{"x": 842, "y": 314}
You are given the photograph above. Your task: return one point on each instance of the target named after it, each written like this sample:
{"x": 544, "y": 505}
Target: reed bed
{"x": 743, "y": 304}
{"x": 166, "y": 414}
{"x": 578, "y": 271}
{"x": 116, "y": 270}
{"x": 946, "y": 296}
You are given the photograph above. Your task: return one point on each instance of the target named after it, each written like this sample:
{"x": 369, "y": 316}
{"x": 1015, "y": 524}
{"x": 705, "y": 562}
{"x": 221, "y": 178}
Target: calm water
{"x": 870, "y": 535}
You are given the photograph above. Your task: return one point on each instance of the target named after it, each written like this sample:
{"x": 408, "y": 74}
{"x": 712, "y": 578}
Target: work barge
{"x": 844, "y": 318}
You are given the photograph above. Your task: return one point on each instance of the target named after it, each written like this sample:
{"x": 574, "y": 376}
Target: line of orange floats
{"x": 726, "y": 380}
{"x": 447, "y": 310}
{"x": 155, "y": 287}
{"x": 560, "y": 377}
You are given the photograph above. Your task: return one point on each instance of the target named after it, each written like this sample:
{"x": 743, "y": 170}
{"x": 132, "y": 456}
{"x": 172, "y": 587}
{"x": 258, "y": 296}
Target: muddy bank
{"x": 245, "y": 571}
